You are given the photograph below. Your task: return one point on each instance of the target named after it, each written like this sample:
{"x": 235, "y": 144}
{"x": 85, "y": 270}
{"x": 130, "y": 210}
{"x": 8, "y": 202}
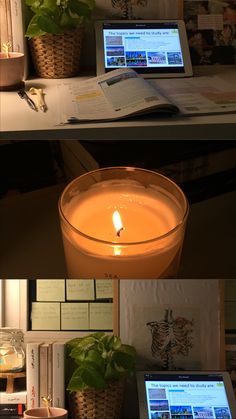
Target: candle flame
{"x": 117, "y": 222}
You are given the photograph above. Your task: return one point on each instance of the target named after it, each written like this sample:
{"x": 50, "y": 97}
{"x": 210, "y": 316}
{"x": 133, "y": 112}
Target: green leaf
{"x": 80, "y": 8}
{"x": 48, "y": 25}
{"x": 92, "y": 377}
{"x": 76, "y": 382}
{"x": 128, "y": 349}
{"x": 123, "y": 361}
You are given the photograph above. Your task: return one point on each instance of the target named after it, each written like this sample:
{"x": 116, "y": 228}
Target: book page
{"x": 45, "y": 316}
{"x": 115, "y": 95}
{"x": 50, "y": 290}
{"x": 74, "y": 316}
{"x": 80, "y": 289}
{"x": 101, "y": 316}
{"x": 104, "y": 288}
{"x": 200, "y": 95}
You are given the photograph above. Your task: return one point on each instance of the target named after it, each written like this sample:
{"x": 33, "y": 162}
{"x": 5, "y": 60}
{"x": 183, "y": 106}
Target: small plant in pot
{"x": 100, "y": 364}
{"x": 55, "y": 31}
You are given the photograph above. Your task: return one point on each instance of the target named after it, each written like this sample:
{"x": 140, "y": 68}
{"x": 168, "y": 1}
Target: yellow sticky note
{"x": 80, "y": 289}
{"x": 101, "y": 316}
{"x": 104, "y": 288}
{"x": 74, "y": 316}
{"x": 50, "y": 289}
{"x": 45, "y": 316}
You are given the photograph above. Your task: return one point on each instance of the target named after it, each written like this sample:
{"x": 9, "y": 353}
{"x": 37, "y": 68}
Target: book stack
{"x": 45, "y": 371}
{"x": 12, "y": 405}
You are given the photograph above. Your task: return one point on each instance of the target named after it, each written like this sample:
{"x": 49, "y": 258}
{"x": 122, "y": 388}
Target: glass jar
{"x": 12, "y": 354}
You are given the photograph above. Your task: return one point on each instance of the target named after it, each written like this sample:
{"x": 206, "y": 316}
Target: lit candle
{"x": 122, "y": 223}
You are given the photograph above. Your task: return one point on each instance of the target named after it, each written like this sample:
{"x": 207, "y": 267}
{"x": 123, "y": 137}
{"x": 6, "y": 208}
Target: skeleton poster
{"x": 211, "y": 29}
{"x": 173, "y": 324}
{"x": 138, "y": 9}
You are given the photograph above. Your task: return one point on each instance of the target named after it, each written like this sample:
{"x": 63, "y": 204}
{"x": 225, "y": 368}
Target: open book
{"x": 115, "y": 95}
{"x": 123, "y": 93}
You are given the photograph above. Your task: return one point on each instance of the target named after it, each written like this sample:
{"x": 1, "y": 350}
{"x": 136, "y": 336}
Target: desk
{"x": 31, "y": 244}
{"x": 19, "y": 122}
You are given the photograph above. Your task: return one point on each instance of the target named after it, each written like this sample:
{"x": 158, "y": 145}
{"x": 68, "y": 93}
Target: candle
{"x": 122, "y": 223}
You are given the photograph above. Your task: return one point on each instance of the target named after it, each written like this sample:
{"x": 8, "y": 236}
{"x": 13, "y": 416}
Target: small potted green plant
{"x": 55, "y": 31}
{"x": 100, "y": 364}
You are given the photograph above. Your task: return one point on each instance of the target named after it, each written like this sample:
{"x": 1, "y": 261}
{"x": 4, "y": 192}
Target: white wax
{"x": 147, "y": 214}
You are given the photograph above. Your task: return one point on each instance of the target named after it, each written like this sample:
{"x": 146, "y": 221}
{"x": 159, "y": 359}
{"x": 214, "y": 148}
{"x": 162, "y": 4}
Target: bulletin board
{"x": 72, "y": 305}
{"x": 211, "y": 29}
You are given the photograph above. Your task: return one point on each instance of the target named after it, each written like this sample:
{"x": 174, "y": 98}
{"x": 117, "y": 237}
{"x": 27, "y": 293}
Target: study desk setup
{"x": 19, "y": 121}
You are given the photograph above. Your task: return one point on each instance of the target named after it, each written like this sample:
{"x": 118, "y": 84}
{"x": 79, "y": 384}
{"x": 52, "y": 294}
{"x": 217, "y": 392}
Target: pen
{"x": 23, "y": 95}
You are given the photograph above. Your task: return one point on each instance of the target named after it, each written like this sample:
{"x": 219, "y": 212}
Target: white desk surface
{"x": 18, "y": 121}
{"x": 31, "y": 243}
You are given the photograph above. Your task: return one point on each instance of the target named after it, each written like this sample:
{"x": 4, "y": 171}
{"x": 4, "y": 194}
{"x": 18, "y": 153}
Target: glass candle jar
{"x": 12, "y": 354}
{"x": 122, "y": 222}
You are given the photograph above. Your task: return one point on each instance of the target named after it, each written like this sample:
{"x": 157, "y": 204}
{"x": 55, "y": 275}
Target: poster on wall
{"x": 138, "y": 9}
{"x": 174, "y": 325}
{"x": 211, "y": 29}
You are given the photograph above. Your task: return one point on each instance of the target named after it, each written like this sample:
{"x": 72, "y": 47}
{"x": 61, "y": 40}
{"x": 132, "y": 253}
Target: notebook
{"x": 185, "y": 394}
{"x": 153, "y": 48}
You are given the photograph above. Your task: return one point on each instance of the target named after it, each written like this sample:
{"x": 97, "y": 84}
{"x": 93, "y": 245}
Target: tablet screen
{"x": 146, "y": 47}
{"x": 187, "y": 396}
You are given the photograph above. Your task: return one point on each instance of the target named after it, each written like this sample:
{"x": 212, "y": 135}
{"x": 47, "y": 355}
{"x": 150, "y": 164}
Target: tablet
{"x": 185, "y": 394}
{"x": 154, "y": 48}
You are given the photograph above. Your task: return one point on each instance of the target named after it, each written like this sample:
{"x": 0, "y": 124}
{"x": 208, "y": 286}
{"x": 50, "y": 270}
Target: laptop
{"x": 153, "y": 48}
{"x": 185, "y": 394}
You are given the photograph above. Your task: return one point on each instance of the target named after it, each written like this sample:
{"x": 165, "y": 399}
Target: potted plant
{"x": 55, "y": 32}
{"x": 100, "y": 364}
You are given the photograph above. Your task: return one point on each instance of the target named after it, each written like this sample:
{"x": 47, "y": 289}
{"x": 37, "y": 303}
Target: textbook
{"x": 119, "y": 94}
{"x": 123, "y": 93}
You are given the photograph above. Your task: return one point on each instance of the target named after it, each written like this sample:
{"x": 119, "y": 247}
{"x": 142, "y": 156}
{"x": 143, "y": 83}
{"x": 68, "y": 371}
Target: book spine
{"x": 50, "y": 370}
{"x": 32, "y": 372}
{"x": 43, "y": 373}
{"x": 7, "y": 410}
{"x": 13, "y": 398}
{"x": 58, "y": 374}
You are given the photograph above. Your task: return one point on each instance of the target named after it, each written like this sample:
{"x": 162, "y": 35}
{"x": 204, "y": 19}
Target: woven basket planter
{"x": 57, "y": 56}
{"x": 98, "y": 404}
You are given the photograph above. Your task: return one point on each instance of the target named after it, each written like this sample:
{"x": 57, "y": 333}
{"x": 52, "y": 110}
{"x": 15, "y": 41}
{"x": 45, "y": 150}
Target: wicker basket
{"x": 57, "y": 56}
{"x": 97, "y": 404}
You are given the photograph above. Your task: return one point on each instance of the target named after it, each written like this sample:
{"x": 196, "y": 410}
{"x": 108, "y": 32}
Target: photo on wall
{"x": 170, "y": 323}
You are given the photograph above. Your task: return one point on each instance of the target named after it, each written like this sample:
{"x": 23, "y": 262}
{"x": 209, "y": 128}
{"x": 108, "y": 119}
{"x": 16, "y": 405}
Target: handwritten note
{"x": 45, "y": 316}
{"x": 104, "y": 288}
{"x": 74, "y": 316}
{"x": 80, "y": 289}
{"x": 101, "y": 316}
{"x": 50, "y": 289}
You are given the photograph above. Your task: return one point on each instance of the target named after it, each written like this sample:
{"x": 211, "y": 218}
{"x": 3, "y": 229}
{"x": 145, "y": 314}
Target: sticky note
{"x": 74, "y": 316}
{"x": 104, "y": 288}
{"x": 45, "y": 316}
{"x": 50, "y": 290}
{"x": 80, "y": 289}
{"x": 101, "y": 316}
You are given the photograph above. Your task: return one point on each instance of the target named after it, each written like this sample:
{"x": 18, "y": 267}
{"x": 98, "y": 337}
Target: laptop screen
{"x": 143, "y": 46}
{"x": 185, "y": 395}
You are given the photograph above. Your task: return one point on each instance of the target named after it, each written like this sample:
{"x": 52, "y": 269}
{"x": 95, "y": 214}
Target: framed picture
{"x": 139, "y": 9}
{"x": 173, "y": 324}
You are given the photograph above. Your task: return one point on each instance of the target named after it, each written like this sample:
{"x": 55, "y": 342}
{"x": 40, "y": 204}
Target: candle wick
{"x": 118, "y": 232}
